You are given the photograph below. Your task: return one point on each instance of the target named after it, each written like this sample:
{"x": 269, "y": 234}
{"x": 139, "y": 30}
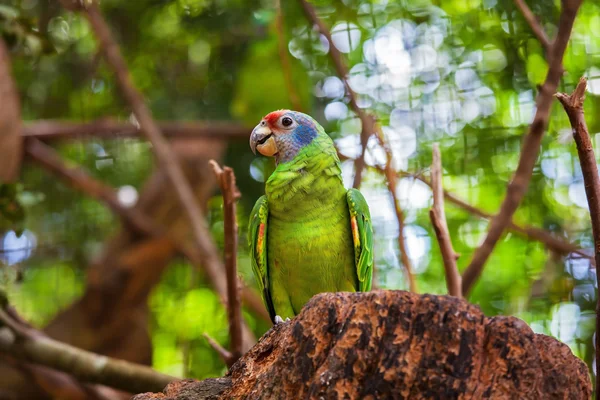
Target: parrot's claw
{"x": 279, "y": 320}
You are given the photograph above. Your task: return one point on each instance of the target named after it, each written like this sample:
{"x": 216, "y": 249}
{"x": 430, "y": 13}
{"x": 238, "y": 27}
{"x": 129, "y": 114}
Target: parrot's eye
{"x": 286, "y": 121}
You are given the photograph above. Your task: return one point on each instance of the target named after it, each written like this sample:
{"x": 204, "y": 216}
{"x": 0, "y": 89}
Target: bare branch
{"x": 438, "y": 220}
{"x": 573, "y": 106}
{"x": 368, "y": 122}
{"x": 164, "y": 153}
{"x": 285, "y": 59}
{"x": 221, "y": 351}
{"x": 27, "y": 344}
{"x": 530, "y": 150}
{"x": 534, "y": 24}
{"x": 111, "y": 129}
{"x": 10, "y": 121}
{"x": 391, "y": 177}
{"x": 226, "y": 179}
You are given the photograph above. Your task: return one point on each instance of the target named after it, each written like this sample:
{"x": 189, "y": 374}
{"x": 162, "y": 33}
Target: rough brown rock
{"x": 397, "y": 345}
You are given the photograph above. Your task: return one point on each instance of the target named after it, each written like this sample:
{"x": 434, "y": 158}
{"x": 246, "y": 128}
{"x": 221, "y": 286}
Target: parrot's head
{"x": 282, "y": 134}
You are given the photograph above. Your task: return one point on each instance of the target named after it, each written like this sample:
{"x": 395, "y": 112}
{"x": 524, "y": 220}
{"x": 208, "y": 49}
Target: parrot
{"x": 307, "y": 234}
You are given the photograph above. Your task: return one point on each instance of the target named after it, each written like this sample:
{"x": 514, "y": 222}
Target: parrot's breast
{"x": 309, "y": 240}
{"x": 313, "y": 255}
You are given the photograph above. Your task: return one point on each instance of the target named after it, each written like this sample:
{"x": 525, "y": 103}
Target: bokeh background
{"x": 463, "y": 73}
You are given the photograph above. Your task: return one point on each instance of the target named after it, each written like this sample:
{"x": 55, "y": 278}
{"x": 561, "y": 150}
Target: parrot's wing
{"x": 362, "y": 237}
{"x": 257, "y": 238}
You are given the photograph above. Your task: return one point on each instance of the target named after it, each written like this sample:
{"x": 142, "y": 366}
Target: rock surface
{"x": 398, "y": 345}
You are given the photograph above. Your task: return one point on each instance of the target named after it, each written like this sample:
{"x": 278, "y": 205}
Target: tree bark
{"x": 399, "y": 345}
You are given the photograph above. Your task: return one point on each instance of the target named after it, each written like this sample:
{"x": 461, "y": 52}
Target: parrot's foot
{"x": 279, "y": 320}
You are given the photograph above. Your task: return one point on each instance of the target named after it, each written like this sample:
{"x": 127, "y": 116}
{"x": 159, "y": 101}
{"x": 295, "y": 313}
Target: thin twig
{"x": 231, "y": 194}
{"x": 534, "y": 24}
{"x": 48, "y": 130}
{"x": 164, "y": 153}
{"x": 25, "y": 343}
{"x": 367, "y": 121}
{"x": 285, "y": 59}
{"x": 530, "y": 149}
{"x": 438, "y": 220}
{"x": 391, "y": 178}
{"x": 573, "y": 106}
{"x": 221, "y": 351}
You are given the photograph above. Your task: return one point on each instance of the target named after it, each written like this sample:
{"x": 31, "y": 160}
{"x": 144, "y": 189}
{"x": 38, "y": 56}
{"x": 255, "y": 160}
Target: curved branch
{"x": 530, "y": 150}
{"x": 367, "y": 121}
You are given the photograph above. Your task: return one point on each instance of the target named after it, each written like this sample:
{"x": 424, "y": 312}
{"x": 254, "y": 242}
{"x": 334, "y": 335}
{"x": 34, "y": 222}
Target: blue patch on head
{"x": 303, "y": 135}
{"x": 289, "y": 144}
{"x": 306, "y": 130}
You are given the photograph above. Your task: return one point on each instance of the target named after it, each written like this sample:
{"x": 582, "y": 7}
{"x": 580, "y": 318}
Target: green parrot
{"x": 308, "y": 234}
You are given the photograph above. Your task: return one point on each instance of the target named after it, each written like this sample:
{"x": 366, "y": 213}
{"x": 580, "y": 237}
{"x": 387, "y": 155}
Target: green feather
{"x": 257, "y": 240}
{"x": 363, "y": 247}
{"x": 309, "y": 246}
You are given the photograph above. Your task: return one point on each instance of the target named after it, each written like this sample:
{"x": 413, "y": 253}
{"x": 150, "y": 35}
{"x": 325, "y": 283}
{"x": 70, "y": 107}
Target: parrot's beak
{"x": 262, "y": 140}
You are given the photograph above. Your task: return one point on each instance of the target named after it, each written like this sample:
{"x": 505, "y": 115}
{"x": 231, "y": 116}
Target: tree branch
{"x": 391, "y": 177}
{"x": 225, "y": 355}
{"x": 573, "y": 106}
{"x": 367, "y": 121}
{"x": 438, "y": 220}
{"x": 530, "y": 149}
{"x": 47, "y": 130}
{"x": 535, "y": 25}
{"x": 231, "y": 194}
{"x": 164, "y": 153}
{"x": 25, "y": 343}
